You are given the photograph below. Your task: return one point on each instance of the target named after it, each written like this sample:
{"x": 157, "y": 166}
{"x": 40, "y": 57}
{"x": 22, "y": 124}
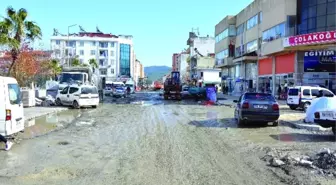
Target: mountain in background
{"x": 156, "y": 72}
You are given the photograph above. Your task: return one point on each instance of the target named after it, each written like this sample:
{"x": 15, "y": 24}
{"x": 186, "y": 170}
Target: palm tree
{"x": 14, "y": 29}
{"x": 75, "y": 62}
{"x": 93, "y": 64}
{"x": 55, "y": 67}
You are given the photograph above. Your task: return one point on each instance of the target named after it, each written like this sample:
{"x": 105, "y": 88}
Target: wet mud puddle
{"x": 48, "y": 123}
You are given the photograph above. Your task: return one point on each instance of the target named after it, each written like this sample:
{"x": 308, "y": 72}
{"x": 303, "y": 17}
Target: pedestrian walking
{"x": 7, "y": 143}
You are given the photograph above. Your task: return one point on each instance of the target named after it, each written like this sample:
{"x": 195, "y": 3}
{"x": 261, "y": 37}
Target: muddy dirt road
{"x": 145, "y": 140}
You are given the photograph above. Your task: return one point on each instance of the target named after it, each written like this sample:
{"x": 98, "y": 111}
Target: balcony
{"x": 103, "y": 53}
{"x": 228, "y": 61}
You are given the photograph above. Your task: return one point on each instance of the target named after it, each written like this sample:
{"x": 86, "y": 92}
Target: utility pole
{"x": 69, "y": 41}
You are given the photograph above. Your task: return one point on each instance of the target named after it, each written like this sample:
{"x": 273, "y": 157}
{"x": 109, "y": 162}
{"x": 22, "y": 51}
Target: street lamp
{"x": 69, "y": 41}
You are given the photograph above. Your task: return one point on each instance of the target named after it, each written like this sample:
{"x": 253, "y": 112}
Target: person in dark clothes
{"x": 279, "y": 91}
{"x": 7, "y": 143}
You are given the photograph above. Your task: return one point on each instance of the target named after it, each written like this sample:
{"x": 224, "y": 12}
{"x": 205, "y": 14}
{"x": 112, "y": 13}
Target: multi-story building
{"x": 262, "y": 47}
{"x": 175, "y": 64}
{"x": 199, "y": 47}
{"x": 114, "y": 54}
{"x": 138, "y": 71}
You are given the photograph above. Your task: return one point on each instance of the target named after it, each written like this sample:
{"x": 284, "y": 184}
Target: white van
{"x": 11, "y": 110}
{"x": 301, "y": 96}
{"x": 130, "y": 83}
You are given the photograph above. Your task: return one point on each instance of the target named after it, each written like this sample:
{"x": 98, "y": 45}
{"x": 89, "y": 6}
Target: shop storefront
{"x": 319, "y": 68}
{"x": 265, "y": 74}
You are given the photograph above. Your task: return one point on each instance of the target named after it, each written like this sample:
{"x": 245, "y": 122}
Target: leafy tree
{"x": 15, "y": 30}
{"x": 93, "y": 63}
{"x": 75, "y": 62}
{"x": 55, "y": 67}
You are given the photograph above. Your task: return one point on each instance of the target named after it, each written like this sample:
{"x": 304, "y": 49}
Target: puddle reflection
{"x": 45, "y": 124}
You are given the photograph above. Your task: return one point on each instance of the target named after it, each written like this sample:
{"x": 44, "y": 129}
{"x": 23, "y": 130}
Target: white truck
{"x": 79, "y": 75}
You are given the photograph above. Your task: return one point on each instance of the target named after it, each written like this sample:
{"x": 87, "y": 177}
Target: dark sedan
{"x": 259, "y": 107}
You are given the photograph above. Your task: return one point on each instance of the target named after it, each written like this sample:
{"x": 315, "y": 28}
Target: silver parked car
{"x": 260, "y": 107}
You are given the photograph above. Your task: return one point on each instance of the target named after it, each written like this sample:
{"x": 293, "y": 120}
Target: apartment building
{"x": 138, "y": 71}
{"x": 114, "y": 54}
{"x": 199, "y": 47}
{"x": 262, "y": 46}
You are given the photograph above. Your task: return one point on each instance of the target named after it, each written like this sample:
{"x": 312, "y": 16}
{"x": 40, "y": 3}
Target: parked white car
{"x": 302, "y": 96}
{"x": 11, "y": 109}
{"x": 78, "y": 96}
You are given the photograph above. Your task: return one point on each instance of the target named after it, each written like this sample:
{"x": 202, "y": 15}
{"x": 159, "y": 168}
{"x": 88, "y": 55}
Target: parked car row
{"x": 119, "y": 89}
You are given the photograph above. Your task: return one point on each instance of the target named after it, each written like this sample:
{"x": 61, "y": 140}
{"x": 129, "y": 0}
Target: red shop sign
{"x": 312, "y": 38}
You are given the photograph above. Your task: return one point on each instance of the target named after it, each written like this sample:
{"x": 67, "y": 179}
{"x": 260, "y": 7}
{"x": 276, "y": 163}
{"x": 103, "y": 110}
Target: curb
{"x": 305, "y": 126}
{"x": 55, "y": 110}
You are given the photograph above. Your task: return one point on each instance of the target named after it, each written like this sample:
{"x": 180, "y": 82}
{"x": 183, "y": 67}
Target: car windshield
{"x": 71, "y": 78}
{"x": 89, "y": 90}
{"x": 293, "y": 92}
{"x": 129, "y": 85}
{"x": 259, "y": 96}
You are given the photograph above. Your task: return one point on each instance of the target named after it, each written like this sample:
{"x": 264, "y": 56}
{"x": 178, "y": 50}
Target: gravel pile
{"x": 323, "y": 162}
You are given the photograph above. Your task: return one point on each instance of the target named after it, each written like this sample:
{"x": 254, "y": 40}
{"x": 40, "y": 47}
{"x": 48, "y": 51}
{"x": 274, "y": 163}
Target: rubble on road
{"x": 323, "y": 162}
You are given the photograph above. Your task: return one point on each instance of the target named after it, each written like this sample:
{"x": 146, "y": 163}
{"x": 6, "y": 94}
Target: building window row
{"x": 274, "y": 33}
{"x": 253, "y": 21}
{"x": 240, "y": 29}
{"x": 223, "y": 54}
{"x": 317, "y": 16}
{"x": 222, "y": 35}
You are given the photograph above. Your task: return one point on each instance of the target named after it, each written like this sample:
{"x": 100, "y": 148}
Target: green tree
{"x": 75, "y": 62}
{"x": 14, "y": 30}
{"x": 93, "y": 63}
{"x": 55, "y": 67}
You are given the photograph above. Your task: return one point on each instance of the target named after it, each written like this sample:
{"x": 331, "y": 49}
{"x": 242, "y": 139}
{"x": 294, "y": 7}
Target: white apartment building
{"x": 113, "y": 54}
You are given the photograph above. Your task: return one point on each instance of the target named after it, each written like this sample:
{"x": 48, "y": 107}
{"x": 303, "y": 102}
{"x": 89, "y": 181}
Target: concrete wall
{"x": 204, "y": 45}
{"x": 210, "y": 75}
{"x": 205, "y": 62}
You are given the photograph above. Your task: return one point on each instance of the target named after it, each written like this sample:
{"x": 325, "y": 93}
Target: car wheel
{"x": 334, "y": 130}
{"x": 58, "y": 102}
{"x": 240, "y": 122}
{"x": 275, "y": 123}
{"x": 75, "y": 105}
{"x": 305, "y": 106}
{"x": 292, "y": 107}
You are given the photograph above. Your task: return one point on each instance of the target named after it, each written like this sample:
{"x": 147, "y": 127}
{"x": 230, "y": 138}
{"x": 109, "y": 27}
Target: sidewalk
{"x": 34, "y": 112}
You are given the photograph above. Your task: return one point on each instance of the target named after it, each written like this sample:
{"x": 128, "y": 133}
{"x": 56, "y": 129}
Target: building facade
{"x": 113, "y": 54}
{"x": 274, "y": 43}
{"x": 199, "y": 48}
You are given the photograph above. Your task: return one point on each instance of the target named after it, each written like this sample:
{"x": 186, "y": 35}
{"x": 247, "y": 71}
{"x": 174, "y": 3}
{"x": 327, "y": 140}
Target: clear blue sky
{"x": 159, "y": 28}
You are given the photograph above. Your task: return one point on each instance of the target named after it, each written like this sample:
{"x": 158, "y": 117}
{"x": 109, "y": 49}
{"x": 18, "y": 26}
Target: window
{"x": 293, "y": 92}
{"x": 240, "y": 29}
{"x": 89, "y": 90}
{"x": 102, "y": 62}
{"x": 81, "y": 43}
{"x": 252, "y": 22}
{"x": 223, "y": 54}
{"x": 112, "y": 71}
{"x": 327, "y": 93}
{"x": 14, "y": 94}
{"x": 220, "y": 74}
{"x": 274, "y": 33}
{"x": 252, "y": 46}
{"x": 65, "y": 90}
{"x": 317, "y": 15}
{"x": 103, "y": 44}
{"x": 125, "y": 59}
{"x": 81, "y": 52}
{"x": 58, "y": 42}
{"x": 73, "y": 90}
{"x": 102, "y": 71}
{"x": 232, "y": 30}
{"x": 260, "y": 17}
{"x": 240, "y": 50}
{"x": 71, "y": 44}
{"x": 112, "y": 53}
{"x": 93, "y": 43}
{"x": 201, "y": 74}
{"x": 315, "y": 92}
{"x": 93, "y": 52}
{"x": 57, "y": 52}
{"x": 259, "y": 96}
{"x": 112, "y": 44}
{"x": 306, "y": 92}
{"x": 81, "y": 61}
{"x": 222, "y": 35}
{"x": 112, "y": 61}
